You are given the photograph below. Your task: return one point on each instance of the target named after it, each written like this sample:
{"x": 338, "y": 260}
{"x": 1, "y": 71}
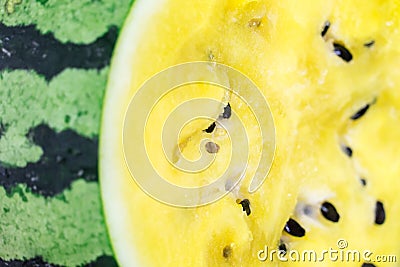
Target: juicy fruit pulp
{"x": 335, "y": 159}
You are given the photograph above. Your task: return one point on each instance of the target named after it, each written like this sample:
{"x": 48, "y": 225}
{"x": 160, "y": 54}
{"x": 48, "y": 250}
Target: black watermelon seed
{"x": 227, "y": 112}
{"x": 294, "y": 228}
{"x": 360, "y": 112}
{"x": 369, "y": 44}
{"x": 326, "y": 28}
{"x": 368, "y": 265}
{"x": 342, "y": 52}
{"x": 380, "y": 215}
{"x": 329, "y": 212}
{"x": 363, "y": 181}
{"x": 282, "y": 247}
{"x": 227, "y": 251}
{"x": 210, "y": 128}
{"x": 246, "y": 206}
{"x": 348, "y": 151}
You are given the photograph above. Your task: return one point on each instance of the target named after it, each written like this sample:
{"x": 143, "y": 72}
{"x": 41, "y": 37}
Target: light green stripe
{"x": 78, "y": 21}
{"x": 72, "y": 100}
{"x": 66, "y": 230}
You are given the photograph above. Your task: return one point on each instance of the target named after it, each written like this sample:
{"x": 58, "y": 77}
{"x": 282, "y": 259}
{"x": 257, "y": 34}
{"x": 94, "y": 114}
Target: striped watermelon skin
{"x": 54, "y": 61}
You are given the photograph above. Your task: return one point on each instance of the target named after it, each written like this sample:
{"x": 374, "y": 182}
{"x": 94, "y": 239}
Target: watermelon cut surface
{"x": 329, "y": 71}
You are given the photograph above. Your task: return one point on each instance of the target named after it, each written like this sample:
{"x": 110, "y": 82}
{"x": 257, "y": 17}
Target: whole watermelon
{"x": 54, "y": 61}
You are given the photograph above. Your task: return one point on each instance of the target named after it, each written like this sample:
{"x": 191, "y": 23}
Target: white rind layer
{"x": 111, "y": 160}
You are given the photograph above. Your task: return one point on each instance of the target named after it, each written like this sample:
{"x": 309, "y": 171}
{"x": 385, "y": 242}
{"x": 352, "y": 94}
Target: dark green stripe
{"x": 67, "y": 156}
{"x": 24, "y": 47}
{"x": 103, "y": 261}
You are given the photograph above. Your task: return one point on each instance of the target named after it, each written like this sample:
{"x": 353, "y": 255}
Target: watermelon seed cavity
{"x": 227, "y": 251}
{"x": 255, "y": 23}
{"x": 368, "y": 265}
{"x": 363, "y": 181}
{"x": 211, "y": 56}
{"x": 307, "y": 210}
{"x": 212, "y": 147}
